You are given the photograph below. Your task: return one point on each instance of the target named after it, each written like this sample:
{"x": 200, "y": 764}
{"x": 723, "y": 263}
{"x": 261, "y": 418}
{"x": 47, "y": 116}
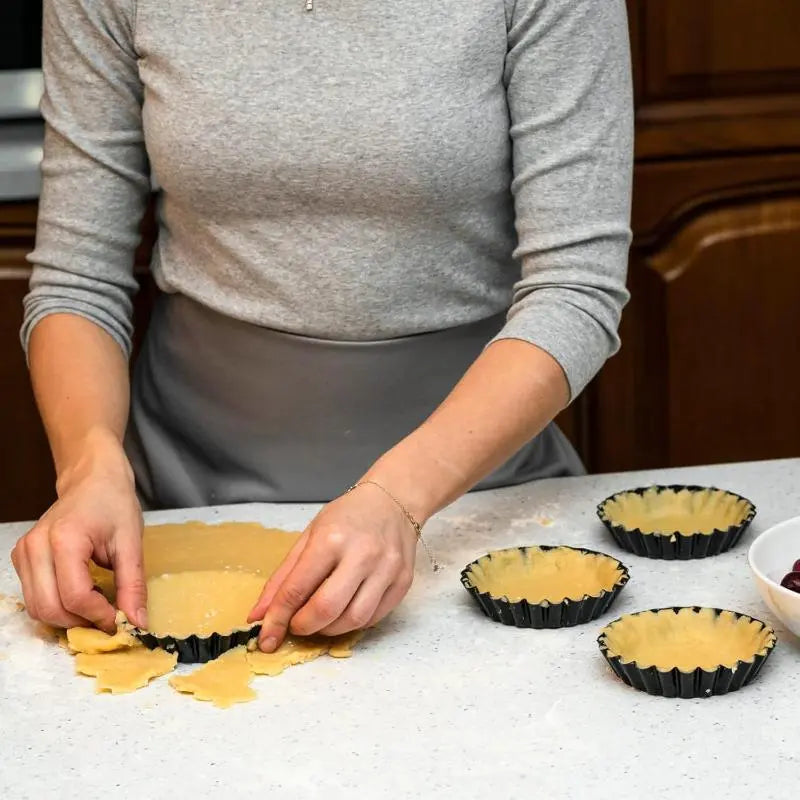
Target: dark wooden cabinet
{"x": 26, "y": 473}
{"x": 708, "y": 370}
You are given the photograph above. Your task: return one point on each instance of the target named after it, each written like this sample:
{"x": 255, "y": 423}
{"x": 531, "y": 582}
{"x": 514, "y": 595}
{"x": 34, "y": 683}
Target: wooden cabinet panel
{"x": 25, "y": 465}
{"x": 715, "y": 76}
{"x": 666, "y": 193}
{"x": 720, "y": 48}
{"x": 730, "y": 286}
{"x": 711, "y": 340}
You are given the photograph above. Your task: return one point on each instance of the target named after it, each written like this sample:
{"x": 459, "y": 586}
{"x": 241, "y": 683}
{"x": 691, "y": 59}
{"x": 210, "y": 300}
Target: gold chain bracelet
{"x": 408, "y": 515}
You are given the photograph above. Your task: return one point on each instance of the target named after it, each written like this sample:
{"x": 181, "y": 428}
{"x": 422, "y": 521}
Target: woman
{"x": 351, "y": 196}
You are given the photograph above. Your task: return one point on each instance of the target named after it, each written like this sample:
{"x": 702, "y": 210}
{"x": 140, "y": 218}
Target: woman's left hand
{"x": 351, "y": 567}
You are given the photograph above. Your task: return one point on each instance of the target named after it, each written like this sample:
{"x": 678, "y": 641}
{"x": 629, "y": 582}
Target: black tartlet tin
{"x": 523, "y": 614}
{"x": 675, "y": 546}
{"x": 687, "y": 685}
{"x": 196, "y": 649}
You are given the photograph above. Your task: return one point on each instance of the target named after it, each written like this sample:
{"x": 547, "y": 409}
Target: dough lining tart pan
{"x": 202, "y": 581}
{"x": 687, "y": 652}
{"x": 676, "y": 522}
{"x": 544, "y": 586}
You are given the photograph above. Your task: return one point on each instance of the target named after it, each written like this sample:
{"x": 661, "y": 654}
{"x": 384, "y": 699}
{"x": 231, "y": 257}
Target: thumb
{"x": 128, "y": 565}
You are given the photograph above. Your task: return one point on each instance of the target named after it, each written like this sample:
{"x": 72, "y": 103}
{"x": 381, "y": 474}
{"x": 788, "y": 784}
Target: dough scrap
{"x": 539, "y": 576}
{"x": 289, "y": 654}
{"x": 295, "y": 650}
{"x": 342, "y": 646}
{"x": 224, "y": 681}
{"x": 125, "y": 670}
{"x": 687, "y": 640}
{"x": 92, "y": 640}
{"x": 11, "y": 603}
{"x": 686, "y": 512}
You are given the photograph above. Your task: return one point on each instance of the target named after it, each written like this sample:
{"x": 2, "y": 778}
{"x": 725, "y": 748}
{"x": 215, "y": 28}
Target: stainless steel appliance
{"x": 20, "y": 92}
{"x": 20, "y": 58}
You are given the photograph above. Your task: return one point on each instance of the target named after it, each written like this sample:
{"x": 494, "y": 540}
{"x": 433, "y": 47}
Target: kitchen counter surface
{"x": 439, "y": 702}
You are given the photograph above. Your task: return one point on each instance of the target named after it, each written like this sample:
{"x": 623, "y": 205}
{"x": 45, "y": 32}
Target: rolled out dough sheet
{"x": 201, "y": 602}
{"x": 223, "y": 682}
{"x": 125, "y": 670}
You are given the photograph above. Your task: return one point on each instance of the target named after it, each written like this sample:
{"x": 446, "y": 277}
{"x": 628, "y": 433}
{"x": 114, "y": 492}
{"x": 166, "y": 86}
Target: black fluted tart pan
{"x": 523, "y": 613}
{"x": 681, "y": 680}
{"x": 632, "y": 517}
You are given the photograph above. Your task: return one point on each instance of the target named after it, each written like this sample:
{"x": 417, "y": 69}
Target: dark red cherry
{"x": 796, "y": 567}
{"x": 792, "y": 581}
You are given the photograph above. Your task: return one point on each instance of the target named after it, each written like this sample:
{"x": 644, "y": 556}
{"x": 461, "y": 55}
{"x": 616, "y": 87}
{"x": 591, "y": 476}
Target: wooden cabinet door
{"x": 26, "y": 472}
{"x": 715, "y": 75}
{"x": 709, "y": 370}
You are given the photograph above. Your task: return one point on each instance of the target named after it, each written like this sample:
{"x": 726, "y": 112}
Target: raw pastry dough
{"x": 125, "y": 670}
{"x": 204, "y": 579}
{"x": 224, "y": 681}
{"x": 201, "y": 579}
{"x": 201, "y": 602}
{"x": 685, "y": 512}
{"x": 686, "y": 640}
{"x": 298, "y": 651}
{"x": 91, "y": 640}
{"x": 289, "y": 654}
{"x": 342, "y": 646}
{"x": 540, "y": 576}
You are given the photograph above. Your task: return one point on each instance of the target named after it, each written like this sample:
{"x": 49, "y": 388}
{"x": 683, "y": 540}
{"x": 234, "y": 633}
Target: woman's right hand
{"x": 97, "y": 516}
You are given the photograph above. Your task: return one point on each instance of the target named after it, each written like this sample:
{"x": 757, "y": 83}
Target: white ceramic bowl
{"x": 771, "y": 556}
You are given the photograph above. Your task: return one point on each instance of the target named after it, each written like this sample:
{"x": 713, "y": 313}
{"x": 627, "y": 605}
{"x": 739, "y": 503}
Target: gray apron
{"x": 224, "y": 411}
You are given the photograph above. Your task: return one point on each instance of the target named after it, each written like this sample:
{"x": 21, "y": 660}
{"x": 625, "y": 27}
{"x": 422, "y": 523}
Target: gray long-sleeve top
{"x": 362, "y": 171}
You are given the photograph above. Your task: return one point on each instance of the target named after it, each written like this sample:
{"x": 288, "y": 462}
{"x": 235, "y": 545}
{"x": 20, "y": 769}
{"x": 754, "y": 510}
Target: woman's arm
{"x": 507, "y": 397}
{"x": 355, "y": 561}
{"x": 567, "y": 79}
{"x": 80, "y": 378}
{"x": 77, "y": 324}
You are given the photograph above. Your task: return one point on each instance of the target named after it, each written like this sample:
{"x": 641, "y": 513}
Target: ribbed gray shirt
{"x": 362, "y": 171}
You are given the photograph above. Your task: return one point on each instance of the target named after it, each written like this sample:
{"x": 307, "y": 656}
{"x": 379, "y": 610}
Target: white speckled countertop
{"x": 440, "y": 702}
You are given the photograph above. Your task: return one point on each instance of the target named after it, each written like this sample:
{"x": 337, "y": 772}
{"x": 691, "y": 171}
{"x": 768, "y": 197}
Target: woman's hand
{"x": 351, "y": 567}
{"x": 97, "y": 516}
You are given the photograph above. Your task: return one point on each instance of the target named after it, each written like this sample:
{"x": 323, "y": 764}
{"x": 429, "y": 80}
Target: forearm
{"x": 511, "y": 392}
{"x": 80, "y": 379}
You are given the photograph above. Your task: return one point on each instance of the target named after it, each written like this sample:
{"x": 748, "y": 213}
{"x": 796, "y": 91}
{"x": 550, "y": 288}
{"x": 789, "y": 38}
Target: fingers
{"x": 71, "y": 550}
{"x": 40, "y": 585}
{"x": 311, "y": 569}
{"x": 357, "y": 613}
{"x": 19, "y": 558}
{"x": 375, "y": 598}
{"x": 277, "y": 578}
{"x": 332, "y": 598}
{"x": 394, "y": 595}
{"x": 128, "y": 563}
